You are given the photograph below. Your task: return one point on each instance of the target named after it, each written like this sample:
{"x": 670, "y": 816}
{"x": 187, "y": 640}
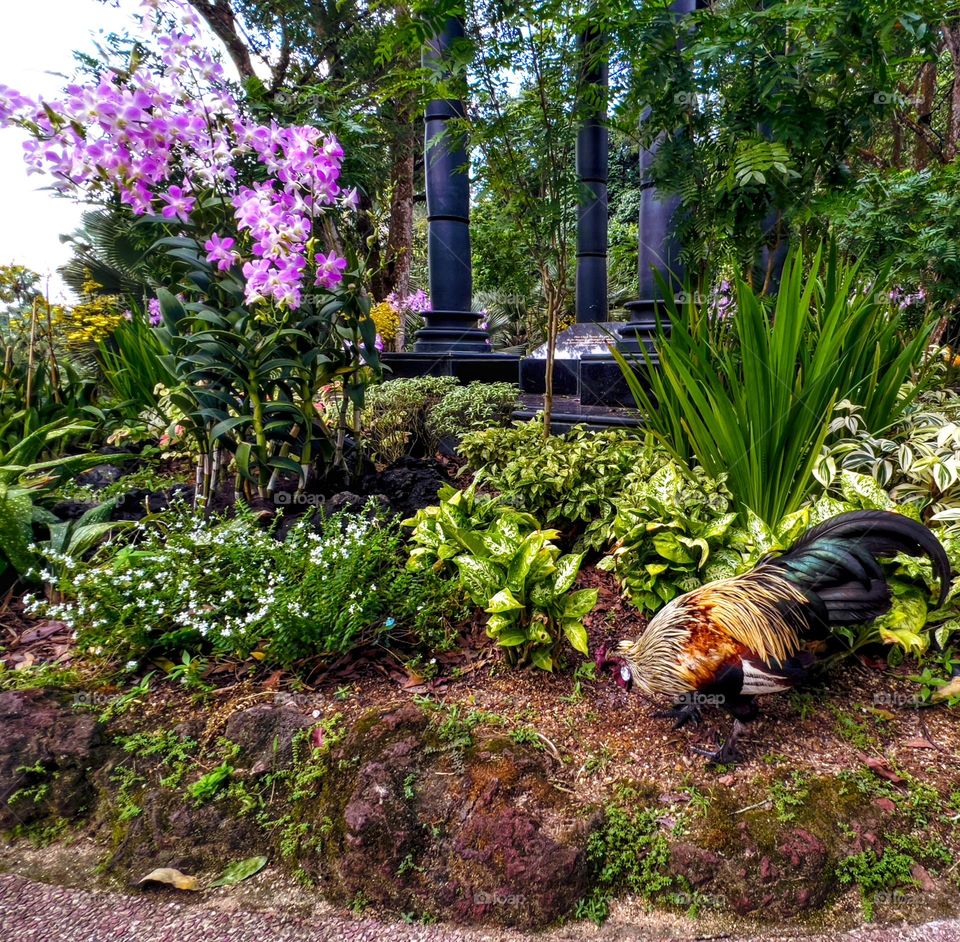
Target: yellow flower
{"x": 387, "y": 319}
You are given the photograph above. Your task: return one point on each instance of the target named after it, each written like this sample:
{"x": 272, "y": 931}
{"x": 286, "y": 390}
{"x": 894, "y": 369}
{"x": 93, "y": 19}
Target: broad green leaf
{"x": 863, "y": 491}
{"x": 16, "y": 528}
{"x": 578, "y": 604}
{"x": 576, "y": 635}
{"x": 503, "y": 601}
{"x": 519, "y": 567}
{"x": 496, "y": 624}
{"x": 479, "y": 577}
{"x": 511, "y": 637}
{"x": 567, "y": 569}
{"x": 669, "y": 547}
{"x": 542, "y": 659}
{"x": 242, "y": 870}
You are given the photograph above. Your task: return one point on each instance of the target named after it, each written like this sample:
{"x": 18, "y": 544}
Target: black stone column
{"x": 658, "y": 247}
{"x": 451, "y": 327}
{"x": 592, "y": 167}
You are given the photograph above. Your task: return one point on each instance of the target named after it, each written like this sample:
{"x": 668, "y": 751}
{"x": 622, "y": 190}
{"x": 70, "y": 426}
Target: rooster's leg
{"x": 681, "y": 713}
{"x": 727, "y": 753}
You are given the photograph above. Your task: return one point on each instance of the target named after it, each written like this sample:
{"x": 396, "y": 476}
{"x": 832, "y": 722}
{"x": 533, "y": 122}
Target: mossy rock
{"x": 476, "y": 834}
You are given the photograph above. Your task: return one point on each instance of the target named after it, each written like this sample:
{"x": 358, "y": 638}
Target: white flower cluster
{"x": 226, "y": 582}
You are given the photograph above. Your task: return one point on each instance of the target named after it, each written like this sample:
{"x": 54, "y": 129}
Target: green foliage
{"x": 789, "y": 795}
{"x": 211, "y": 784}
{"x": 394, "y": 418}
{"x": 759, "y": 109}
{"x": 225, "y": 587}
{"x": 132, "y": 365}
{"x": 922, "y": 247}
{"x": 444, "y": 530}
{"x": 916, "y": 460}
{"x": 410, "y": 416}
{"x": 627, "y": 853}
{"x": 248, "y": 381}
{"x": 565, "y": 478}
{"x": 26, "y": 478}
{"x": 471, "y": 408}
{"x": 759, "y": 411}
{"x": 667, "y": 530}
{"x": 511, "y": 569}
{"x": 872, "y": 873}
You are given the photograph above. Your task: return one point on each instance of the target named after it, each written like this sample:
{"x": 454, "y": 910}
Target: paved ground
{"x": 39, "y": 912}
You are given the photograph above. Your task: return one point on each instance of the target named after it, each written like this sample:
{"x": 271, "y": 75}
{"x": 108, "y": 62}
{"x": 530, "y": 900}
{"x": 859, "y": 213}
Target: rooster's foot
{"x": 727, "y": 753}
{"x": 681, "y": 714}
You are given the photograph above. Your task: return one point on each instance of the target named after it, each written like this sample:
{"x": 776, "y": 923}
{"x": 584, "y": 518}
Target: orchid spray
{"x": 241, "y": 202}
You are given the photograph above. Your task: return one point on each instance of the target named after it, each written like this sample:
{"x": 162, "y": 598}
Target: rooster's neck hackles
{"x": 749, "y": 608}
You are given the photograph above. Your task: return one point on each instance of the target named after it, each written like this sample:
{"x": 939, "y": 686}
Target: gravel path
{"x": 40, "y": 912}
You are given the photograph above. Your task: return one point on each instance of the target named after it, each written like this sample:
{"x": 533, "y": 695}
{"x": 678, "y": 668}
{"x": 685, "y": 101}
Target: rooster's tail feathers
{"x": 837, "y": 560}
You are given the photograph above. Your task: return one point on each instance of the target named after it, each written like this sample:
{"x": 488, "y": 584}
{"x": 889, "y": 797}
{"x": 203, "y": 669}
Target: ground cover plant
{"x": 225, "y": 587}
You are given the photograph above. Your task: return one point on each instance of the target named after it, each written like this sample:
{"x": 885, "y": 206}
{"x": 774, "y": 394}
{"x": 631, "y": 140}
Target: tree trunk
{"x": 398, "y": 253}
{"x": 925, "y": 101}
{"x": 399, "y": 249}
{"x": 951, "y": 37}
{"x": 554, "y": 299}
{"x": 222, "y": 20}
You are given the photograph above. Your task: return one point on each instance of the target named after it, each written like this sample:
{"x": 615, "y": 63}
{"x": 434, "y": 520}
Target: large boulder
{"x": 472, "y": 833}
{"x": 47, "y": 753}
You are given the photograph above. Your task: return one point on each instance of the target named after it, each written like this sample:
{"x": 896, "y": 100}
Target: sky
{"x": 38, "y": 37}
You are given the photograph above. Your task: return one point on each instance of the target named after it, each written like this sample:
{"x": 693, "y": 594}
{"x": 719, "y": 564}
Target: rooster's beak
{"x": 622, "y": 675}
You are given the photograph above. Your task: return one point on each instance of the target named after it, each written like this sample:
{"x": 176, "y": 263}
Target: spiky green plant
{"x": 757, "y": 409}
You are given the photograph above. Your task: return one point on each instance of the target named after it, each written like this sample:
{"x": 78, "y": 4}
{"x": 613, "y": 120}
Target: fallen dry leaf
{"x": 919, "y": 743}
{"x": 170, "y": 876}
{"x": 882, "y": 768}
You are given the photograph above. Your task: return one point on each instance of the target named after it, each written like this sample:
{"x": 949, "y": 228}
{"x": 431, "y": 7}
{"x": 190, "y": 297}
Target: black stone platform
{"x": 466, "y": 367}
{"x": 569, "y": 411}
{"x": 584, "y": 369}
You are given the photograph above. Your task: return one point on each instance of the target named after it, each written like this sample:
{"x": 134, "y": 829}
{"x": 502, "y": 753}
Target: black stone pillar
{"x": 658, "y": 247}
{"x": 451, "y": 326}
{"x": 592, "y": 167}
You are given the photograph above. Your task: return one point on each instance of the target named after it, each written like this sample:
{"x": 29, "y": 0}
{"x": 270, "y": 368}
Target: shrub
{"x": 410, "y": 416}
{"x": 573, "y": 477}
{"x": 511, "y": 569}
{"x": 667, "y": 531}
{"x": 227, "y": 587}
{"x": 471, "y": 408}
{"x": 395, "y": 413}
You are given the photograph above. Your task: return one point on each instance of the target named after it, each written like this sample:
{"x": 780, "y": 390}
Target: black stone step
{"x": 568, "y": 412}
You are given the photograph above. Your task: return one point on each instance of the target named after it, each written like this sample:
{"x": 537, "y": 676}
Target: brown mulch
{"x": 860, "y": 716}
{"x": 25, "y": 641}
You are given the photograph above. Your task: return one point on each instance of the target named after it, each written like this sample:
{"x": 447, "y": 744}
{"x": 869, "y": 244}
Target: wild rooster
{"x": 732, "y": 640}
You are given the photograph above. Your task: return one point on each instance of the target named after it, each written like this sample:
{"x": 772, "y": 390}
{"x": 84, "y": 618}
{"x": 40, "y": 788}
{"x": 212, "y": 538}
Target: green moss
{"x": 789, "y": 796}
{"x": 893, "y": 869}
{"x": 627, "y": 853}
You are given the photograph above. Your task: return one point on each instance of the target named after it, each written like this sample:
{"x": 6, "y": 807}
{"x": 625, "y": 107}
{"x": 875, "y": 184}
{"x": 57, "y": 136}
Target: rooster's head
{"x": 617, "y": 666}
